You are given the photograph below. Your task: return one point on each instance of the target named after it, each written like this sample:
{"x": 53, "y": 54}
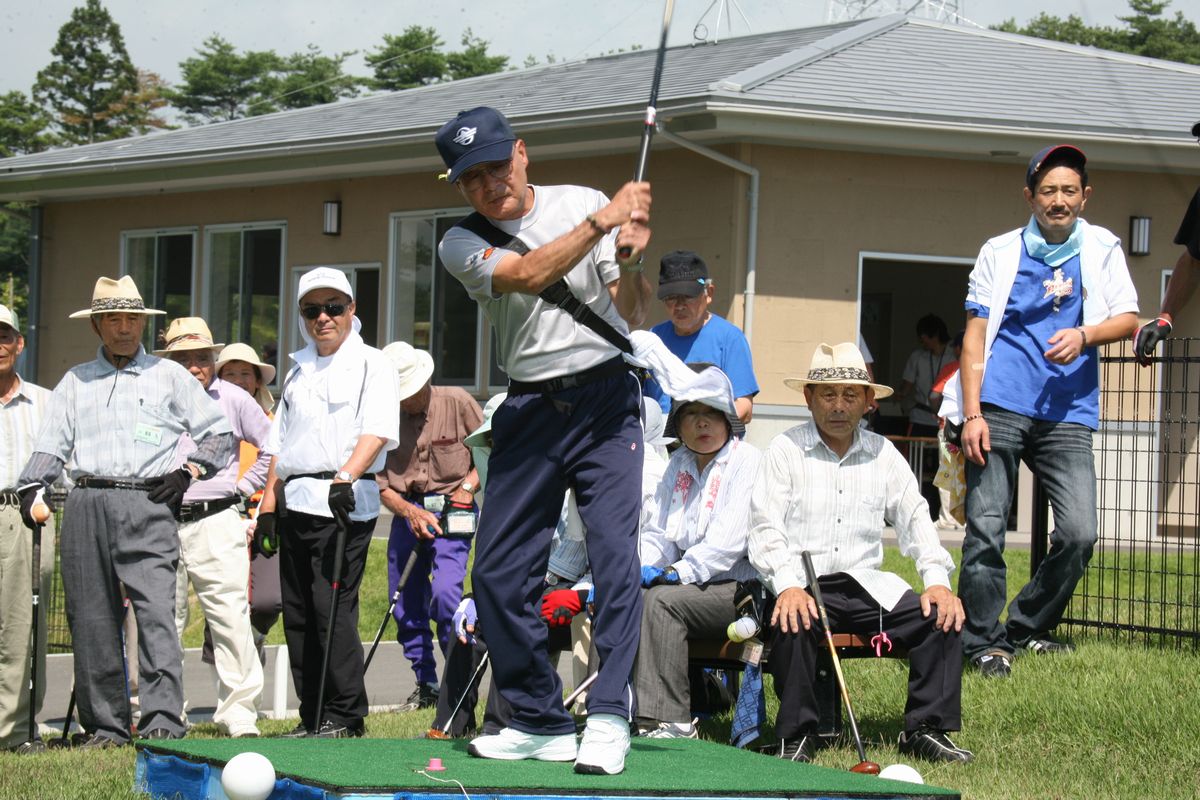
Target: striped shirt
{"x": 20, "y": 419}
{"x": 126, "y": 423}
{"x": 809, "y": 499}
{"x": 710, "y": 544}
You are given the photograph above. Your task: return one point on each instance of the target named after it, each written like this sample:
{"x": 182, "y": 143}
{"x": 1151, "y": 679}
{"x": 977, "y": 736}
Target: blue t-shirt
{"x": 717, "y": 342}
{"x": 1019, "y": 377}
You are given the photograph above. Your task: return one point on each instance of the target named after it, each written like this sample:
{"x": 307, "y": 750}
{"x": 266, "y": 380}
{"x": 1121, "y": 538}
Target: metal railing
{"x": 1143, "y": 582}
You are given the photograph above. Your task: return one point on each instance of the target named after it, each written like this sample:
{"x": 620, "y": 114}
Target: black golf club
{"x": 444, "y": 731}
{"x": 863, "y": 766}
{"x": 651, "y": 119}
{"x": 65, "y": 739}
{"x": 408, "y": 568}
{"x": 34, "y": 744}
{"x": 339, "y": 554}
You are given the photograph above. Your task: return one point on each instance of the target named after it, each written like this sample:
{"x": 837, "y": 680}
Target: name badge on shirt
{"x": 148, "y": 434}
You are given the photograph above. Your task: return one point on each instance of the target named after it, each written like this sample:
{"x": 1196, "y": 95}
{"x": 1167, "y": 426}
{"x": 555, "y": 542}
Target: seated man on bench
{"x": 829, "y": 487}
{"x": 693, "y": 553}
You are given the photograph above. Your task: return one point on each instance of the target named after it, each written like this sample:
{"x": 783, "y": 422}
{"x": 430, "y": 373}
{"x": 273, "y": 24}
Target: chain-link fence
{"x": 1143, "y": 582}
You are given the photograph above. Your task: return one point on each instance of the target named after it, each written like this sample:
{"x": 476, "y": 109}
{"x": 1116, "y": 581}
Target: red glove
{"x": 560, "y": 606}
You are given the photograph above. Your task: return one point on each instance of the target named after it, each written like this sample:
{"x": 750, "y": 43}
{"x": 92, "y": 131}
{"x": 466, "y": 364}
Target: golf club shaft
{"x": 408, "y": 568}
{"x": 66, "y": 731}
{"x": 343, "y": 524}
{"x": 36, "y": 591}
{"x": 815, "y": 589}
{"x": 466, "y": 691}
{"x": 651, "y": 118}
{"x": 580, "y": 689}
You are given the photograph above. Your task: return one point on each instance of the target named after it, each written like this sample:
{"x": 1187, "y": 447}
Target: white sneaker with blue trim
{"x": 605, "y": 745}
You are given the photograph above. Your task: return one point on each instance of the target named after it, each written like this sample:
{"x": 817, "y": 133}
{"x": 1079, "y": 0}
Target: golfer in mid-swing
{"x": 571, "y": 418}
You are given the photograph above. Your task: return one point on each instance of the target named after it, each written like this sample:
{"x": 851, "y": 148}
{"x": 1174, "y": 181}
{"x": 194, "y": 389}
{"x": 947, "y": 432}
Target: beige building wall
{"x": 819, "y": 210}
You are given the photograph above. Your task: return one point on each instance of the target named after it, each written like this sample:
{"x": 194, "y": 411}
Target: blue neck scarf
{"x": 1054, "y": 255}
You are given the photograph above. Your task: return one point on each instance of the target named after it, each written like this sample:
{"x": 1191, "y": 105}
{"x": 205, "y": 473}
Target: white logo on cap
{"x": 465, "y": 136}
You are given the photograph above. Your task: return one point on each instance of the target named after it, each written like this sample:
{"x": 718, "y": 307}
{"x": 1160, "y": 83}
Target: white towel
{"x": 676, "y": 378}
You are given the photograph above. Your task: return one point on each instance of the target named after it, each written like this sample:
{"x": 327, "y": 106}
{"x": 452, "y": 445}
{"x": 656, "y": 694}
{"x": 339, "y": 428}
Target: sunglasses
{"x": 329, "y": 309}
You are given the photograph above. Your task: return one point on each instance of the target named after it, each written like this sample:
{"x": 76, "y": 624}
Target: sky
{"x": 160, "y": 35}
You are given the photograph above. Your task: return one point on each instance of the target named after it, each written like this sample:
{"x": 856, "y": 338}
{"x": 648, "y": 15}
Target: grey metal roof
{"x": 904, "y": 71}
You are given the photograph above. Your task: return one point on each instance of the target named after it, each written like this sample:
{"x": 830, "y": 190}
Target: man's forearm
{"x": 537, "y": 269}
{"x": 971, "y": 364}
{"x": 366, "y": 450}
{"x": 633, "y": 297}
{"x": 1180, "y": 287}
{"x": 41, "y": 468}
{"x": 1113, "y": 329}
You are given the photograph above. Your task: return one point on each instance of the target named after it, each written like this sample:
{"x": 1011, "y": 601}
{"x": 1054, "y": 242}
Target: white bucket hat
{"x": 838, "y": 363}
{"x": 9, "y": 317}
{"x": 120, "y": 296}
{"x": 188, "y": 333}
{"x": 414, "y": 367}
{"x": 478, "y": 437}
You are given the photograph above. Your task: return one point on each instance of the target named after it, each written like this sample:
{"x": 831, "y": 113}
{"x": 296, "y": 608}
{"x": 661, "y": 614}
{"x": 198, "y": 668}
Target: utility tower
{"x": 940, "y": 10}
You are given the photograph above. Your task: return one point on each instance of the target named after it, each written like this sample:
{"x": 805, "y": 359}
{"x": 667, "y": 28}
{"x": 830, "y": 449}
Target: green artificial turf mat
{"x": 654, "y": 767}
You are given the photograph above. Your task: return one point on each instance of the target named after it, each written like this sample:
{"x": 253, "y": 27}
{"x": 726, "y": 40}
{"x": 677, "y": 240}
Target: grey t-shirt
{"x": 536, "y": 340}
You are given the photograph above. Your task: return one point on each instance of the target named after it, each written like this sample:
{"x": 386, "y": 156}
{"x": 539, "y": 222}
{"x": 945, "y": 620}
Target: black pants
{"x": 306, "y": 553}
{"x": 934, "y": 659}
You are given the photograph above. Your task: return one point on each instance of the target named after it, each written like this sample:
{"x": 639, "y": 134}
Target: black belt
{"x": 9, "y": 497}
{"x": 192, "y": 512}
{"x": 96, "y": 482}
{"x": 609, "y": 369}
{"x": 327, "y": 476}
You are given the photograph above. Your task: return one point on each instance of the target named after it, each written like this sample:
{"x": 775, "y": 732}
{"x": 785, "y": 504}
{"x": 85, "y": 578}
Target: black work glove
{"x": 168, "y": 489}
{"x": 32, "y": 494}
{"x": 1147, "y": 337}
{"x": 341, "y": 499}
{"x": 266, "y": 538}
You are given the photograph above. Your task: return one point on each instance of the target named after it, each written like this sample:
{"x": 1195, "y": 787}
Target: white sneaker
{"x": 672, "y": 730}
{"x": 511, "y": 744}
{"x": 605, "y": 745}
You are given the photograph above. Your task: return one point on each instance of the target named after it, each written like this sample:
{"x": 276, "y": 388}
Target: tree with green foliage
{"x": 309, "y": 78}
{"x": 90, "y": 79}
{"x": 1147, "y": 32}
{"x": 24, "y": 126}
{"x": 473, "y": 59}
{"x": 221, "y": 84}
{"x": 414, "y": 58}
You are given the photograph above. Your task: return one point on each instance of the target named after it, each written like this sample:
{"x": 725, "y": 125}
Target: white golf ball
{"x": 248, "y": 776}
{"x": 741, "y": 629}
{"x": 901, "y": 772}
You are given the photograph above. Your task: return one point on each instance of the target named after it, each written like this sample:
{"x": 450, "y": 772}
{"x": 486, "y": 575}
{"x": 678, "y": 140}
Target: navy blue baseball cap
{"x": 1196, "y": 130}
{"x": 1059, "y": 155}
{"x": 473, "y": 137}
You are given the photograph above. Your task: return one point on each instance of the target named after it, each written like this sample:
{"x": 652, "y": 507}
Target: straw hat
{"x": 838, "y": 363}
{"x": 121, "y": 296}
{"x": 188, "y": 333}
{"x": 414, "y": 367}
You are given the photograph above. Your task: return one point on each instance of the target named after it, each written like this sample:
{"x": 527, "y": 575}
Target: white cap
{"x": 414, "y": 367}
{"x": 9, "y": 317}
{"x": 324, "y": 278}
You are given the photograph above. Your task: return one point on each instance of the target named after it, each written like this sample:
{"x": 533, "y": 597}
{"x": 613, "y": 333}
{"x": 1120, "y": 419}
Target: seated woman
{"x": 693, "y": 553}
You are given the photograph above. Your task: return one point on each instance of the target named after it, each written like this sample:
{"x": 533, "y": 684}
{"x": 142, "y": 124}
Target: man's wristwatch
{"x": 468, "y": 487}
{"x": 344, "y": 475}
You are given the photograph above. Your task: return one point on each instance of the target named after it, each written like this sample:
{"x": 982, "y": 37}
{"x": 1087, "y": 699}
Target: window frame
{"x": 156, "y": 233}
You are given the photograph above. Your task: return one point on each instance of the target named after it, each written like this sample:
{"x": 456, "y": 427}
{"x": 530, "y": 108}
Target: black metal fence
{"x": 1143, "y": 583}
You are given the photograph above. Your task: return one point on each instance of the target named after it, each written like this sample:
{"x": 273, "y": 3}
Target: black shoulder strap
{"x": 556, "y": 294}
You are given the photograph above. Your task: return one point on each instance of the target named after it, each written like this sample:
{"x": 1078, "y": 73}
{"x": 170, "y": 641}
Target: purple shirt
{"x": 250, "y": 424}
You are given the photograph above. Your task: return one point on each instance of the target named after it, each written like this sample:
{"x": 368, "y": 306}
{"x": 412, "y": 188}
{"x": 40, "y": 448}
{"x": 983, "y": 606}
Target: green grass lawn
{"x": 1110, "y": 721}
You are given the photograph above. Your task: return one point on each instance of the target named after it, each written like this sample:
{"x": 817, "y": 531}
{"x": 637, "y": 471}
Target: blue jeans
{"x": 1060, "y": 454}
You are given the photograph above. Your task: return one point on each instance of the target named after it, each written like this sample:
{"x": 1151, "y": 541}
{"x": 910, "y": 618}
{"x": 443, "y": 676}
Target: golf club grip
{"x": 651, "y": 118}
{"x": 408, "y": 568}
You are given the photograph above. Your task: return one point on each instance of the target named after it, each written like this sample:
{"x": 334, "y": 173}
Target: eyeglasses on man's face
{"x": 497, "y": 170}
{"x": 314, "y": 311}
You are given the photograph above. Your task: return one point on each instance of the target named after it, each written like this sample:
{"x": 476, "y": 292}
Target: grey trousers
{"x": 16, "y": 619}
{"x": 112, "y": 537}
{"x": 670, "y": 616}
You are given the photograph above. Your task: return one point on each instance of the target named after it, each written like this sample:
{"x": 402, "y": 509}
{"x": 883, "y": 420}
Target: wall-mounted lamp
{"x": 332, "y": 225}
{"x": 1139, "y": 236}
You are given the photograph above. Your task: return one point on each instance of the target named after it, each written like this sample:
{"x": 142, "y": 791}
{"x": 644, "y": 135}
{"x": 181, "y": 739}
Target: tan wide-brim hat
{"x": 244, "y": 352}
{"x": 121, "y": 296}
{"x": 838, "y": 363}
{"x": 414, "y": 367}
{"x": 188, "y": 333}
